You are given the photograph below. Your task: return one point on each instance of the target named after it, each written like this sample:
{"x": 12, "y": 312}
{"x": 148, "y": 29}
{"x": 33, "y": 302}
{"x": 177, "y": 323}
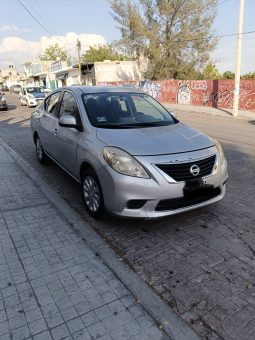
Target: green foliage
{"x": 54, "y": 53}
{"x": 249, "y": 75}
{"x": 102, "y": 53}
{"x": 228, "y": 75}
{"x": 210, "y": 72}
{"x": 175, "y": 35}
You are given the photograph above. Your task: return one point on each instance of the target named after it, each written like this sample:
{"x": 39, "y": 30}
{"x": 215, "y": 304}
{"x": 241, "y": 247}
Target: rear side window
{"x": 51, "y": 103}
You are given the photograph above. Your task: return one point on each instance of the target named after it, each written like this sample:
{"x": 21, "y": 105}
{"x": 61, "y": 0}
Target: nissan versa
{"x": 132, "y": 157}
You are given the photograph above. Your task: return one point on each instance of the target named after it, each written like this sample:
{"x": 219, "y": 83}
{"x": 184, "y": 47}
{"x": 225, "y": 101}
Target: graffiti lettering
{"x": 199, "y": 85}
{"x": 218, "y": 93}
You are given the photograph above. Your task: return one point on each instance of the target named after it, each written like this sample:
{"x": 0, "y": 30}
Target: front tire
{"x": 41, "y": 155}
{"x": 92, "y": 194}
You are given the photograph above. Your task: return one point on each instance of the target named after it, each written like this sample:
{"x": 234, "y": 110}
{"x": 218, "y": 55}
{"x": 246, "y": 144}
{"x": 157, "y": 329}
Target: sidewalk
{"x": 53, "y": 286}
{"x": 243, "y": 114}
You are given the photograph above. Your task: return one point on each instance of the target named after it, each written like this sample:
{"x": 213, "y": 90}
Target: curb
{"x": 213, "y": 114}
{"x": 173, "y": 325}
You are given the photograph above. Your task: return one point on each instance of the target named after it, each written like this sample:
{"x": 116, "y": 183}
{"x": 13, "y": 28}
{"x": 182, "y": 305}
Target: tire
{"x": 41, "y": 155}
{"x": 92, "y": 194}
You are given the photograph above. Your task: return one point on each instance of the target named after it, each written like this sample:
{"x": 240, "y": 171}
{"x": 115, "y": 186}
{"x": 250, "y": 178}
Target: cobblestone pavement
{"x": 51, "y": 284}
{"x": 201, "y": 262}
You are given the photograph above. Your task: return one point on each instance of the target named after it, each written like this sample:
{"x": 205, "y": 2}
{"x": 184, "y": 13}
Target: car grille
{"x": 196, "y": 198}
{"x": 181, "y": 171}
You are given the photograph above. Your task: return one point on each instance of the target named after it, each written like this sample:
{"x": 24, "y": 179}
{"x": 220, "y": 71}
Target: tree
{"x": 249, "y": 75}
{"x": 228, "y": 75}
{"x": 174, "y": 35}
{"x": 54, "y": 53}
{"x": 210, "y": 72}
{"x": 102, "y": 53}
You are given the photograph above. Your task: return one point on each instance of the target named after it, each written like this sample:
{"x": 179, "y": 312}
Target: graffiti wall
{"x": 213, "y": 93}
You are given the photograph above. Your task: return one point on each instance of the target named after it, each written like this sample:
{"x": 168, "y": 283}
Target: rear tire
{"x": 41, "y": 155}
{"x": 92, "y": 194}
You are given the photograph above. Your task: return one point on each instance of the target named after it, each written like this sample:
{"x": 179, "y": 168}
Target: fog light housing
{"x": 135, "y": 204}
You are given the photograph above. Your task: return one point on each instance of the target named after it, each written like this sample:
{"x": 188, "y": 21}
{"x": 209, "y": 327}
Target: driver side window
{"x": 68, "y": 106}
{"x": 51, "y": 103}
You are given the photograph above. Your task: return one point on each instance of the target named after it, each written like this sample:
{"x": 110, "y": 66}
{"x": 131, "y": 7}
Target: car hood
{"x": 159, "y": 140}
{"x": 38, "y": 95}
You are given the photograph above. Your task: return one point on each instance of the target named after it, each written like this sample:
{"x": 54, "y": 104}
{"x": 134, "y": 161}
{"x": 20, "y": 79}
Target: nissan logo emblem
{"x": 194, "y": 170}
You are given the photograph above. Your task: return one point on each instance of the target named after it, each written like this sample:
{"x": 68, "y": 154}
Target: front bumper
{"x": 3, "y": 106}
{"x": 119, "y": 189}
{"x": 35, "y": 101}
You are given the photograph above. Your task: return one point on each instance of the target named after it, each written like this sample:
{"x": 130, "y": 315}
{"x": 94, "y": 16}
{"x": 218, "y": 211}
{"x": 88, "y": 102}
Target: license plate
{"x": 196, "y": 188}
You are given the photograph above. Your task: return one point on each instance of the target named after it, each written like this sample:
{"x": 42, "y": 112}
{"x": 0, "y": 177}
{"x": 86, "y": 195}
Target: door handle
{"x": 55, "y": 132}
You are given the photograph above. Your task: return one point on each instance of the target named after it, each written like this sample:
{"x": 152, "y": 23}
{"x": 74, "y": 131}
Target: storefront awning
{"x": 62, "y": 76}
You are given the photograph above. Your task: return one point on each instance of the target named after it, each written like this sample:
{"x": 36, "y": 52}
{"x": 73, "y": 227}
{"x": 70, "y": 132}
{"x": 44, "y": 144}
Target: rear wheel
{"x": 92, "y": 194}
{"x": 41, "y": 155}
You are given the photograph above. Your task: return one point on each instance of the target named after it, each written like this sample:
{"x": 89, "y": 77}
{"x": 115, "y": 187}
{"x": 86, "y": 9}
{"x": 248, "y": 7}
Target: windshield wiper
{"x": 148, "y": 124}
{"x": 113, "y": 126}
{"x": 132, "y": 126}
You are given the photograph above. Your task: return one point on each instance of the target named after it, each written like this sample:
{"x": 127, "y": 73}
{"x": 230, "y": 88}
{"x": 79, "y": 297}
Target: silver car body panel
{"x": 176, "y": 138}
{"x": 174, "y": 144}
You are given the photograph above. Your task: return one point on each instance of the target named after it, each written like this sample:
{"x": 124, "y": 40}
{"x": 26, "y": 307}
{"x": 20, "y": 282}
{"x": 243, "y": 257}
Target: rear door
{"x": 67, "y": 138}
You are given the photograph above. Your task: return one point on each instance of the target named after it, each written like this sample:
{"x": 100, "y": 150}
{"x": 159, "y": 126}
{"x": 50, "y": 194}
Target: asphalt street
{"x": 201, "y": 262}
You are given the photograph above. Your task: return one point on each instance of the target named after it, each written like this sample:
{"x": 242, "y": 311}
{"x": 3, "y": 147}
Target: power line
{"x": 42, "y": 14}
{"x": 43, "y": 26}
{"x": 34, "y": 17}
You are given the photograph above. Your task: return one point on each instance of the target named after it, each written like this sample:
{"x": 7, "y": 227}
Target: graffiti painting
{"x": 184, "y": 93}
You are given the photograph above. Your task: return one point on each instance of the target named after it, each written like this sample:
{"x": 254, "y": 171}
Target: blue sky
{"x": 93, "y": 17}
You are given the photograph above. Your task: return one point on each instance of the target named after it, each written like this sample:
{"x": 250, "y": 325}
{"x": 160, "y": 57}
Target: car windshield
{"x": 125, "y": 110}
{"x": 34, "y": 90}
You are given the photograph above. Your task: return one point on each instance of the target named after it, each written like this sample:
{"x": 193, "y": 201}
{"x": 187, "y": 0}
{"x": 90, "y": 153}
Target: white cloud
{"x": 17, "y": 50}
{"x": 12, "y": 27}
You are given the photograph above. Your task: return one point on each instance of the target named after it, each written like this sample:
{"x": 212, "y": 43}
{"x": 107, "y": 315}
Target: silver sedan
{"x": 132, "y": 157}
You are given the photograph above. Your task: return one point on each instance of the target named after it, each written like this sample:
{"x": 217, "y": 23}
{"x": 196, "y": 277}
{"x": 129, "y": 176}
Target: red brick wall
{"x": 213, "y": 93}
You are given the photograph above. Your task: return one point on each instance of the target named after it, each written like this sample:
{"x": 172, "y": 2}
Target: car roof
{"x": 100, "y": 89}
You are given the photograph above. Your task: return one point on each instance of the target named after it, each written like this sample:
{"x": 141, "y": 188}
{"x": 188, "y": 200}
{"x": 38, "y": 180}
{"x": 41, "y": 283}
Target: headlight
{"x": 30, "y": 96}
{"x": 120, "y": 161}
{"x": 3, "y": 99}
{"x": 220, "y": 151}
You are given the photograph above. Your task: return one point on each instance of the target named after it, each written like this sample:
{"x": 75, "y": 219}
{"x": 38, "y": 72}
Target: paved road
{"x": 201, "y": 262}
{"x": 52, "y": 285}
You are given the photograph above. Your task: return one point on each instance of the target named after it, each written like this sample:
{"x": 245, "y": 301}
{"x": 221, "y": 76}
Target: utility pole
{"x": 79, "y": 56}
{"x": 238, "y": 60}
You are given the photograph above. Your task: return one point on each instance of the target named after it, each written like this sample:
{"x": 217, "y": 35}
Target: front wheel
{"x": 41, "y": 155}
{"x": 92, "y": 194}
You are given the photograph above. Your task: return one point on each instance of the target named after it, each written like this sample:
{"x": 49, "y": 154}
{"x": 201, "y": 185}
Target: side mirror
{"x": 68, "y": 121}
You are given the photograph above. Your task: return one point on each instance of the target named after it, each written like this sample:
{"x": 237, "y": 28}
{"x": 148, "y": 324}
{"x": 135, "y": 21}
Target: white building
{"x": 39, "y": 73}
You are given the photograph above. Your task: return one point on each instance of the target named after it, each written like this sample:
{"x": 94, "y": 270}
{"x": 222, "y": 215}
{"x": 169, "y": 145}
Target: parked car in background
{"x": 131, "y": 156}
{"x": 46, "y": 89}
{"x": 3, "y": 104}
{"x": 4, "y": 88}
{"x": 31, "y": 96}
{"x": 15, "y": 88}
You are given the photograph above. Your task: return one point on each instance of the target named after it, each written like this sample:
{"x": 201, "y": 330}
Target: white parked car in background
{"x": 31, "y": 96}
{"x": 46, "y": 90}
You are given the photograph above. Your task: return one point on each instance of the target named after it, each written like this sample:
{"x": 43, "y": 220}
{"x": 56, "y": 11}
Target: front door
{"x": 49, "y": 123}
{"x": 67, "y": 138}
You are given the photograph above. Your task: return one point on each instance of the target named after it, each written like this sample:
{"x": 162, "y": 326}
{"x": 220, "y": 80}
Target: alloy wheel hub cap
{"x": 91, "y": 194}
{"x": 39, "y": 149}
